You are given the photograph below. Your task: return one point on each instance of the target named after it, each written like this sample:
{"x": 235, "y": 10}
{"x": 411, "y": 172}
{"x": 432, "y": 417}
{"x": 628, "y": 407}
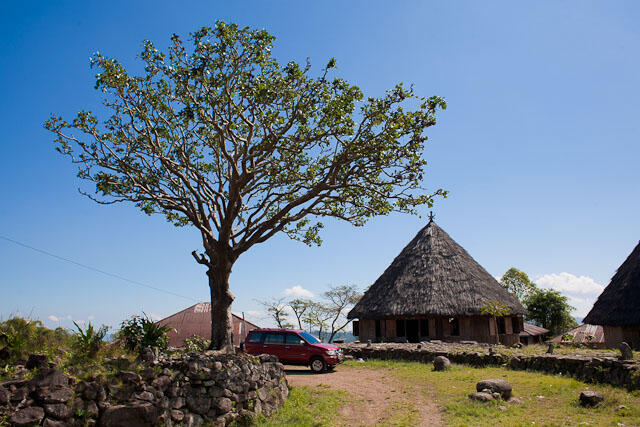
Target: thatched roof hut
{"x": 590, "y": 335}
{"x": 532, "y": 334}
{"x": 433, "y": 277}
{"x": 617, "y": 308}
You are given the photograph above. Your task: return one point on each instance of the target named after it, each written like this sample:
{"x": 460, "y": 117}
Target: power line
{"x": 97, "y": 270}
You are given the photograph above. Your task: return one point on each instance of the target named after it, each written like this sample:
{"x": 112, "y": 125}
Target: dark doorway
{"x": 412, "y": 327}
{"x": 439, "y": 329}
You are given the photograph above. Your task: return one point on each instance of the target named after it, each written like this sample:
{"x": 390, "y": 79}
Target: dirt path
{"x": 377, "y": 396}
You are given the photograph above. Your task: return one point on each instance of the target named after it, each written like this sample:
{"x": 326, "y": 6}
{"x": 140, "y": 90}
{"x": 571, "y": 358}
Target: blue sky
{"x": 538, "y": 147}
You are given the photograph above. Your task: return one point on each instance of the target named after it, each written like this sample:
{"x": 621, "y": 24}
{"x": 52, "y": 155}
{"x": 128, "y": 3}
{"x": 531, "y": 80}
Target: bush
{"x": 139, "y": 332}
{"x": 195, "y": 344}
{"x": 87, "y": 343}
{"x": 25, "y": 336}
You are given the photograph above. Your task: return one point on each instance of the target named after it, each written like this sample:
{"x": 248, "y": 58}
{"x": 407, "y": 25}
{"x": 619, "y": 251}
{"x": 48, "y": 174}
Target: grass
{"x": 547, "y": 400}
{"x": 307, "y": 407}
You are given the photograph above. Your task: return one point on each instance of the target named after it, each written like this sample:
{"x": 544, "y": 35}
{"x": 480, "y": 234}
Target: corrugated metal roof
{"x": 581, "y": 334}
{"x": 196, "y": 320}
{"x": 533, "y": 330}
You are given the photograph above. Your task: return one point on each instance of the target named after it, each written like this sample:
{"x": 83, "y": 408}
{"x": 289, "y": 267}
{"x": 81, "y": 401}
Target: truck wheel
{"x": 317, "y": 365}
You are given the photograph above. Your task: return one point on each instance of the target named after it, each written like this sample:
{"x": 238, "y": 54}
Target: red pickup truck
{"x": 294, "y": 347}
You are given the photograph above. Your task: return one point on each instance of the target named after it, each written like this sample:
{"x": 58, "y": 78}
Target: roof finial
{"x": 431, "y": 216}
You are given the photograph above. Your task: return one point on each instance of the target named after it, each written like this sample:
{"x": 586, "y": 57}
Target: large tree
{"x": 518, "y": 283}
{"x": 552, "y": 311}
{"x": 218, "y": 135}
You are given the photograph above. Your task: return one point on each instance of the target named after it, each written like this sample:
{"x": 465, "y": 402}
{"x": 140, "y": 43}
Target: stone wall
{"x": 187, "y": 390}
{"x": 609, "y": 370}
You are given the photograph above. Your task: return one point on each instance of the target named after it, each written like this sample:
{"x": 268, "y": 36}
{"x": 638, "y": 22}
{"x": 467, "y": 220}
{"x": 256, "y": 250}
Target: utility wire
{"x": 97, "y": 270}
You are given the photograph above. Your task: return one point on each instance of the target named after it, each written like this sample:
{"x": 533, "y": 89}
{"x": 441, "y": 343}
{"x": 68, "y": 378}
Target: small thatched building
{"x": 618, "y": 306}
{"x": 435, "y": 290}
{"x": 196, "y": 320}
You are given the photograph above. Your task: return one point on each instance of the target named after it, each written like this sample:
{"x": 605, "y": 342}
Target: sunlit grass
{"x": 308, "y": 407}
{"x": 546, "y": 399}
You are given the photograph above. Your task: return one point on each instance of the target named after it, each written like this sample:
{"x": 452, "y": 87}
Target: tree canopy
{"x": 216, "y": 134}
{"x": 518, "y": 283}
{"x": 551, "y": 310}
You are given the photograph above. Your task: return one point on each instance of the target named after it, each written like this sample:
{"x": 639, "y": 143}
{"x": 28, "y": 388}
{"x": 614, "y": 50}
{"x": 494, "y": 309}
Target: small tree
{"x": 339, "y": 299}
{"x": 551, "y": 310}
{"x": 495, "y": 309}
{"x": 518, "y": 283}
{"x": 221, "y": 137}
{"x": 316, "y": 316}
{"x": 299, "y": 307}
{"x": 277, "y": 310}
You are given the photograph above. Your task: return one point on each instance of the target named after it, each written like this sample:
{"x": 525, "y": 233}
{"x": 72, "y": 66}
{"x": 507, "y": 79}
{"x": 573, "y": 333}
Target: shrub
{"x": 88, "y": 342}
{"x": 139, "y": 332}
{"x": 195, "y": 343}
{"x": 24, "y": 336}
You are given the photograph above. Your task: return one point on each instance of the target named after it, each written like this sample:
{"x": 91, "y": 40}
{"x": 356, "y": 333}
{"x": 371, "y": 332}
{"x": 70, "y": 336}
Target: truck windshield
{"x": 309, "y": 338}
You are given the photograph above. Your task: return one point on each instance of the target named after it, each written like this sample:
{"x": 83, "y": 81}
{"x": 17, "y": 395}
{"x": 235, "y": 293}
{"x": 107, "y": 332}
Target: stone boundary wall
{"x": 188, "y": 391}
{"x": 608, "y": 370}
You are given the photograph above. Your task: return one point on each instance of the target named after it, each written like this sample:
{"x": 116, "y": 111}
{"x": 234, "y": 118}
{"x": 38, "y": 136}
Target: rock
{"x": 37, "y": 361}
{"x": 481, "y": 397}
{"x": 4, "y": 396}
{"x": 514, "y": 401}
{"x": 496, "y": 395}
{"x": 199, "y": 405}
{"x": 550, "y": 348}
{"x": 130, "y": 415}
{"x": 57, "y": 410}
{"x": 50, "y": 377}
{"x": 27, "y": 416}
{"x": 162, "y": 382}
{"x": 368, "y": 343}
{"x": 94, "y": 391}
{"x": 48, "y": 422}
{"x": 149, "y": 354}
{"x": 177, "y": 402}
{"x": 441, "y": 363}
{"x": 625, "y": 351}
{"x": 91, "y": 409}
{"x": 130, "y": 377}
{"x": 54, "y": 395}
{"x": 144, "y": 395}
{"x": 496, "y": 386}
{"x": 176, "y": 415}
{"x": 224, "y": 405}
{"x": 193, "y": 420}
{"x": 502, "y": 408}
{"x": 590, "y": 398}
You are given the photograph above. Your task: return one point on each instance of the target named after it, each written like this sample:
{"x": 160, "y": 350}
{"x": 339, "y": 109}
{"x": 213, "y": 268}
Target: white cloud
{"x": 155, "y": 317}
{"x": 53, "y": 318}
{"x": 69, "y": 317}
{"x": 297, "y": 291}
{"x": 80, "y": 322}
{"x": 91, "y": 317}
{"x": 582, "y": 291}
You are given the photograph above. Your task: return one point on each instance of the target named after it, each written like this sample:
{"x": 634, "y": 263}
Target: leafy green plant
{"x": 87, "y": 342}
{"x": 24, "y": 336}
{"x": 138, "y": 332}
{"x": 195, "y": 343}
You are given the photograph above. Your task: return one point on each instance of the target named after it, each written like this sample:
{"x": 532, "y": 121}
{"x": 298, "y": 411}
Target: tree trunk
{"x": 221, "y": 299}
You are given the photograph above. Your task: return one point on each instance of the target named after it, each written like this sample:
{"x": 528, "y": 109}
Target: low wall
{"x": 607, "y": 370}
{"x": 188, "y": 390}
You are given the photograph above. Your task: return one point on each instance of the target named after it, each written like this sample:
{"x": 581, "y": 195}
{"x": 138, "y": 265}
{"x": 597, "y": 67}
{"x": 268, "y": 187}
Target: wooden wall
{"x": 471, "y": 328}
{"x": 614, "y": 335}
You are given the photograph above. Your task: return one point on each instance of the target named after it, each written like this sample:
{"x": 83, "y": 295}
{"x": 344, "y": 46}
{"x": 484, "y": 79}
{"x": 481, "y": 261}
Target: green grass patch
{"x": 308, "y": 407}
{"x": 549, "y": 400}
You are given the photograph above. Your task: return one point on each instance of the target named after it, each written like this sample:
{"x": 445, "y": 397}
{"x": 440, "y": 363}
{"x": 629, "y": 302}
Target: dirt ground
{"x": 376, "y": 395}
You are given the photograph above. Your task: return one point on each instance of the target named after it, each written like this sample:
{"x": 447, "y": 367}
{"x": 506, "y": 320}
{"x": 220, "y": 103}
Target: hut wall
{"x": 432, "y": 328}
{"x": 367, "y": 330}
{"x": 614, "y": 335}
{"x": 390, "y": 330}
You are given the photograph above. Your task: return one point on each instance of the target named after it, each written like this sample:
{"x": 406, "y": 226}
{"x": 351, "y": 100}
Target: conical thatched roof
{"x": 433, "y": 275}
{"x": 619, "y": 303}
